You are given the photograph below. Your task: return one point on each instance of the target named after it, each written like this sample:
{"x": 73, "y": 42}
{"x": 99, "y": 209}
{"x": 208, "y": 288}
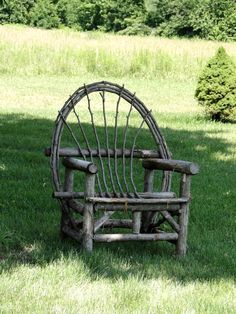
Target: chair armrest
{"x": 171, "y": 165}
{"x": 79, "y": 164}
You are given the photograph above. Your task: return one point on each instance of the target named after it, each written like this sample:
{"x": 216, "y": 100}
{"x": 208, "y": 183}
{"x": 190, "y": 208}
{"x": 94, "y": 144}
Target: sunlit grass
{"x": 51, "y": 291}
{"x": 46, "y": 94}
{"x": 26, "y": 51}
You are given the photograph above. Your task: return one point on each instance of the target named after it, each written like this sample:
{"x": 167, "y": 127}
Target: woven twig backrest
{"x": 105, "y": 123}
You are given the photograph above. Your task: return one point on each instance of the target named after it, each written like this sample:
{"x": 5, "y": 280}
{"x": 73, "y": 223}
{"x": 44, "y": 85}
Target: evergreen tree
{"x": 216, "y": 88}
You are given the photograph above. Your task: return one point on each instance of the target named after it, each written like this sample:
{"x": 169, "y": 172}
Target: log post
{"x": 78, "y": 164}
{"x": 181, "y": 245}
{"x": 147, "y": 217}
{"x": 69, "y": 180}
{"x": 68, "y": 187}
{"x": 171, "y": 165}
{"x": 136, "y": 222}
{"x": 88, "y": 214}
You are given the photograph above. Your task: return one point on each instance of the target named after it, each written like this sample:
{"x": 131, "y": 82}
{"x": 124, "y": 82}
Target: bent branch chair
{"x": 105, "y": 150}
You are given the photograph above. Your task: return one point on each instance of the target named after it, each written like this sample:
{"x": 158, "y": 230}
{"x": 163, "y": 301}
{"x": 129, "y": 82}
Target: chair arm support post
{"x": 181, "y": 245}
{"x": 88, "y": 219}
{"x": 78, "y": 164}
{"x": 171, "y": 165}
{"x": 69, "y": 180}
{"x": 148, "y": 180}
{"x": 185, "y": 185}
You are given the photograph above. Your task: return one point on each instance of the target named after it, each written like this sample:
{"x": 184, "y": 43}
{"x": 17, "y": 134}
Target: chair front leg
{"x": 181, "y": 245}
{"x": 65, "y": 213}
{"x": 88, "y": 219}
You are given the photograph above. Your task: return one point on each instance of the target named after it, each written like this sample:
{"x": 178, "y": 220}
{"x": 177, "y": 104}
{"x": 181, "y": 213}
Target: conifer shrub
{"x": 216, "y": 87}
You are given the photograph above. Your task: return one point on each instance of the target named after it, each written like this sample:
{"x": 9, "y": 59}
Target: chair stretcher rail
{"x": 135, "y": 237}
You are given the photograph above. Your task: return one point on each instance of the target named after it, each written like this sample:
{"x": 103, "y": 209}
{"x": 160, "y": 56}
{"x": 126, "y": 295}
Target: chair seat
{"x": 130, "y": 196}
{"x": 138, "y": 204}
{"x": 139, "y": 201}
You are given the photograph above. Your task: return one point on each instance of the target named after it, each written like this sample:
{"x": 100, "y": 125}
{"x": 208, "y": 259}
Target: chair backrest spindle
{"x": 115, "y": 139}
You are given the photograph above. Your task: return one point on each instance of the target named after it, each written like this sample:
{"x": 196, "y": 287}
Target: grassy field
{"x": 41, "y": 274}
{"x": 26, "y": 51}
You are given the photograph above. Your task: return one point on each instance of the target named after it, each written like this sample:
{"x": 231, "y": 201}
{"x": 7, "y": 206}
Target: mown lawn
{"x": 41, "y": 274}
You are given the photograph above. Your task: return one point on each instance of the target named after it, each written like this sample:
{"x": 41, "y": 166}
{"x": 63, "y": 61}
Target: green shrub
{"x": 15, "y": 11}
{"x": 121, "y": 14}
{"x": 193, "y": 18}
{"x": 215, "y": 20}
{"x": 135, "y": 27}
{"x": 216, "y": 88}
{"x": 106, "y": 15}
{"x": 44, "y": 14}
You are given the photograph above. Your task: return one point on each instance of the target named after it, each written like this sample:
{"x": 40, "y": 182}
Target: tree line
{"x": 209, "y": 19}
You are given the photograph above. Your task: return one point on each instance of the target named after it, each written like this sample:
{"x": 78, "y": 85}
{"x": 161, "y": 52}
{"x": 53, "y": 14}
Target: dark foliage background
{"x": 209, "y": 19}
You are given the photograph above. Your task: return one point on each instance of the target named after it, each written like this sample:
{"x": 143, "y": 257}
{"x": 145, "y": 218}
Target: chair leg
{"x": 88, "y": 223}
{"x": 88, "y": 228}
{"x": 181, "y": 245}
{"x": 64, "y": 221}
{"x": 62, "y": 234}
{"x": 136, "y": 221}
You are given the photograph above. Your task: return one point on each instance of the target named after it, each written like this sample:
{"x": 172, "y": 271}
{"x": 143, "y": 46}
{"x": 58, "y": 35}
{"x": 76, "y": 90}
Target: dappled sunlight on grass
{"x": 3, "y": 167}
{"x": 65, "y": 285}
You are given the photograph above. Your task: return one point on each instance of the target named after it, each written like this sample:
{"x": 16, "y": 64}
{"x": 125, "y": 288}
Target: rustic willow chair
{"x": 108, "y": 135}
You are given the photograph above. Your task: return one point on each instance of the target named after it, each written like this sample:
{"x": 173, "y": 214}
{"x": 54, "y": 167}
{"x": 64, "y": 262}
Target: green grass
{"x": 41, "y": 274}
{"x": 28, "y": 51}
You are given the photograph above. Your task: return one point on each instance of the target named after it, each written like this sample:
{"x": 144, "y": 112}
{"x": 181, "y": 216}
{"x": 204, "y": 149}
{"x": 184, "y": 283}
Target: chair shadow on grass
{"x": 29, "y": 217}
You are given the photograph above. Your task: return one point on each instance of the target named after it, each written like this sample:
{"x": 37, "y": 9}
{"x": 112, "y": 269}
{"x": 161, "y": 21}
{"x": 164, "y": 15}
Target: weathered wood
{"x": 181, "y": 245}
{"x": 147, "y": 217}
{"x": 69, "y": 180}
{"x": 137, "y": 201}
{"x": 81, "y": 195}
{"x": 138, "y": 207}
{"x": 78, "y": 164}
{"x": 88, "y": 214}
{"x": 74, "y": 152}
{"x": 75, "y": 205}
{"x": 136, "y": 221}
{"x": 100, "y": 222}
{"x": 118, "y": 223}
{"x": 135, "y": 237}
{"x": 117, "y": 189}
{"x": 72, "y": 233}
{"x": 171, "y": 165}
{"x": 170, "y": 220}
{"x": 148, "y": 181}
{"x": 68, "y": 187}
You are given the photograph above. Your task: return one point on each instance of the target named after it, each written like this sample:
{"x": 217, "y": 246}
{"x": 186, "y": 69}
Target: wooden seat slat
{"x": 138, "y": 200}
{"x": 144, "y": 195}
